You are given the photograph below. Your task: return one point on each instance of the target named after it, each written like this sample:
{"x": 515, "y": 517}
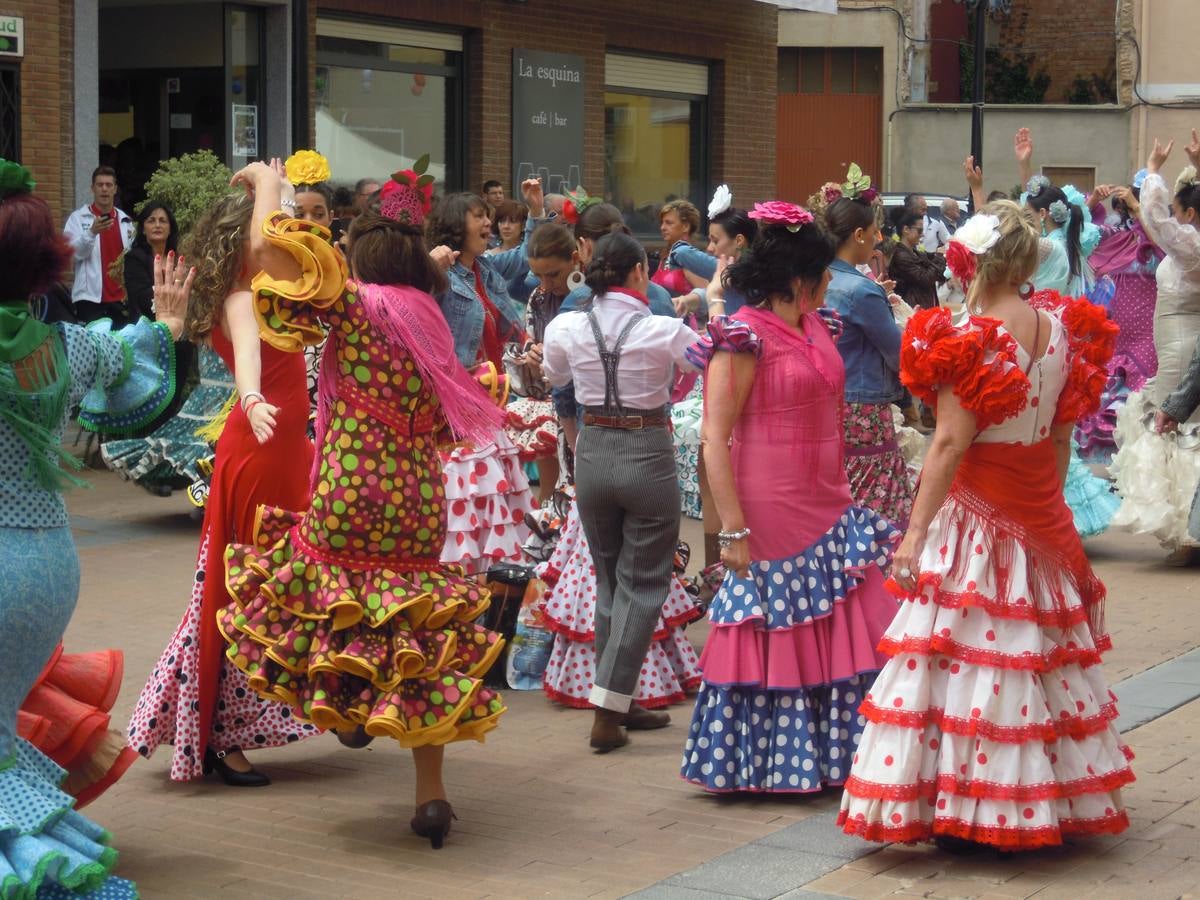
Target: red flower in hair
{"x": 960, "y": 261}
{"x": 408, "y": 195}
{"x": 569, "y": 212}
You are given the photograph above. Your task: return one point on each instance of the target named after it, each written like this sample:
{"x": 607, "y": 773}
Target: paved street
{"x": 540, "y": 815}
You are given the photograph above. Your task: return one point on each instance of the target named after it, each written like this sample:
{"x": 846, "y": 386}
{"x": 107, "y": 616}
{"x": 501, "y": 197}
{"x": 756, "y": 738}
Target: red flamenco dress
{"x": 195, "y": 698}
{"x": 66, "y": 716}
{"x": 340, "y": 607}
{"x": 992, "y": 722}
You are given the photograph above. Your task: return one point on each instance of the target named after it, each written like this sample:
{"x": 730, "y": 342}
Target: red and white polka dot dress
{"x": 671, "y": 668}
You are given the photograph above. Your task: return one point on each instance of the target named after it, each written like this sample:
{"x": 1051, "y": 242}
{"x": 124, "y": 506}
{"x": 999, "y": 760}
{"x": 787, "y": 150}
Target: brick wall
{"x": 46, "y": 97}
{"x": 737, "y": 36}
{"x": 1082, "y": 34}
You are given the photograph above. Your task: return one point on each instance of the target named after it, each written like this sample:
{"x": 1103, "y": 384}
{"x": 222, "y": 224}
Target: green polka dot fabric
{"x": 344, "y": 610}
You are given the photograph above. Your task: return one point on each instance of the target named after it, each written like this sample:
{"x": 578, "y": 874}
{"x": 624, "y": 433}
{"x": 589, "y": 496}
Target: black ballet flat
{"x": 433, "y": 821}
{"x": 215, "y": 762}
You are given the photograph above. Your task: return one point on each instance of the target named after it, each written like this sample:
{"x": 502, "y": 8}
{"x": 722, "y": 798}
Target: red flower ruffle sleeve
{"x": 977, "y": 360}
{"x": 1091, "y": 341}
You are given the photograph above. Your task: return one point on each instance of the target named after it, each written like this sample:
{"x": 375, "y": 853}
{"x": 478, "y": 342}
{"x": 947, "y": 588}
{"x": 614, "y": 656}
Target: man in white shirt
{"x": 934, "y": 233}
{"x": 98, "y": 233}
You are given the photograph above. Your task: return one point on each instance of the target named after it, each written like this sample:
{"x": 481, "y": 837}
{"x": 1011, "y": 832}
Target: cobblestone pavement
{"x": 539, "y": 814}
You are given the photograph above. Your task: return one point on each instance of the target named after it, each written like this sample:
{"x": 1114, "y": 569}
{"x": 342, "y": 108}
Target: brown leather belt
{"x": 629, "y": 423}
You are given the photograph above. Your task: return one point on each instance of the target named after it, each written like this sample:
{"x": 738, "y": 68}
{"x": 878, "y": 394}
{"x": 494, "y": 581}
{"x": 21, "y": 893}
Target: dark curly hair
{"x": 384, "y": 251}
{"x": 615, "y": 256}
{"x": 777, "y": 256}
{"x": 447, "y": 223}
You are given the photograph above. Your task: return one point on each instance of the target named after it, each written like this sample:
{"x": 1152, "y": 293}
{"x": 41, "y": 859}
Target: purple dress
{"x": 1127, "y": 256}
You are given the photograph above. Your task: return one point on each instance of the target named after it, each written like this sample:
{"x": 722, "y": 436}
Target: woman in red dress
{"x": 195, "y": 699}
{"x": 993, "y": 723}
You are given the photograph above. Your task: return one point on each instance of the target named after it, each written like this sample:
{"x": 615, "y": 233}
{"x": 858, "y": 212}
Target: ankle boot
{"x": 607, "y": 731}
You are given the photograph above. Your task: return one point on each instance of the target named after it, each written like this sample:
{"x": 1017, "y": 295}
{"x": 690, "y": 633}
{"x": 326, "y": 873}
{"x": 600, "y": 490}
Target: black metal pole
{"x": 977, "y": 99}
{"x": 300, "y": 76}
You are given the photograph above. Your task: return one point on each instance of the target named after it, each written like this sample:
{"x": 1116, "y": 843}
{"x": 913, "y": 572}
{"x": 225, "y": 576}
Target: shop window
{"x": 655, "y": 124}
{"x": 385, "y": 97}
{"x": 10, "y": 113}
{"x": 834, "y": 70}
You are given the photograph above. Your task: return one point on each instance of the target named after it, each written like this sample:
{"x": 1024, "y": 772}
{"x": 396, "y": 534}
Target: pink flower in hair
{"x": 780, "y": 212}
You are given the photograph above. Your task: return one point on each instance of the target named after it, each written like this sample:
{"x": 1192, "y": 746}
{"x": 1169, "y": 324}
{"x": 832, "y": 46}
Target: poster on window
{"x": 548, "y": 120}
{"x": 245, "y": 130}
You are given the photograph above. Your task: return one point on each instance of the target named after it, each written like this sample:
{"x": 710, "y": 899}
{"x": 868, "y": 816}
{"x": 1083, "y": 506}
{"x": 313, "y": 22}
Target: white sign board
{"x": 12, "y": 36}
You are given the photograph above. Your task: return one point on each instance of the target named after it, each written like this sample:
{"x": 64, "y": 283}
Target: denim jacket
{"x": 460, "y": 304}
{"x": 870, "y": 344}
{"x": 685, "y": 256}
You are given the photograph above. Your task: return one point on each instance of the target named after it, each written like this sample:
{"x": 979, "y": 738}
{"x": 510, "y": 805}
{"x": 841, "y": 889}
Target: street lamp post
{"x": 980, "y": 9}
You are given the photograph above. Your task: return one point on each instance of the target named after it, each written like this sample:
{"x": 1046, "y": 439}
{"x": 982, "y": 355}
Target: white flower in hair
{"x": 721, "y": 201}
{"x": 979, "y": 233}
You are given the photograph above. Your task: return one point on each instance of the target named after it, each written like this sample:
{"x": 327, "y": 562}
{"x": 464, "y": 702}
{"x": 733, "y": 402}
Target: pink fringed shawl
{"x": 411, "y": 320}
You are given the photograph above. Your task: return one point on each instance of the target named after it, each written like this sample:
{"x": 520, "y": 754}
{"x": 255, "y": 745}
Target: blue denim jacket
{"x": 870, "y": 344}
{"x": 685, "y": 256}
{"x": 460, "y": 304}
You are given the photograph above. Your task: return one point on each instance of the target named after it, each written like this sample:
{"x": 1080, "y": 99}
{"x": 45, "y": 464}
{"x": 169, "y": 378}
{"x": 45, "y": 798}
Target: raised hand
{"x": 172, "y": 287}
{"x": 1158, "y": 156}
{"x": 531, "y": 190}
{"x": 1193, "y": 150}
{"x": 1125, "y": 195}
{"x": 1023, "y": 146}
{"x": 253, "y": 176}
{"x": 444, "y": 256}
{"x": 973, "y": 173}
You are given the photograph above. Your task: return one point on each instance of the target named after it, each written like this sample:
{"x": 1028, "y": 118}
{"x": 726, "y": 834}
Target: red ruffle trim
{"x": 1005, "y": 838}
{"x": 989, "y": 790}
{"x": 1091, "y": 342}
{"x": 1026, "y": 612}
{"x": 689, "y": 686}
{"x": 677, "y": 621}
{"x": 978, "y": 361}
{"x": 1032, "y": 662}
{"x": 551, "y": 575}
{"x": 1073, "y": 726}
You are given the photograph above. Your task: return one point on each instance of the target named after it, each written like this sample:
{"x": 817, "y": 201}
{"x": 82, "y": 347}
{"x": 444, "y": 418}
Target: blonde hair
{"x": 687, "y": 212}
{"x": 1014, "y": 258}
{"x": 215, "y": 247}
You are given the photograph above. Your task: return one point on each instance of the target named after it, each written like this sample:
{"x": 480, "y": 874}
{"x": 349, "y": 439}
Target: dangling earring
{"x": 575, "y": 280}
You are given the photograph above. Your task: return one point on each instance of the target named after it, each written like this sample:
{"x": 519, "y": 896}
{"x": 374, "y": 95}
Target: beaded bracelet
{"x": 727, "y": 538}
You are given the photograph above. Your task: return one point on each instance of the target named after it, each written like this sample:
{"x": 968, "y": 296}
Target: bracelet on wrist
{"x": 251, "y": 395}
{"x": 727, "y": 538}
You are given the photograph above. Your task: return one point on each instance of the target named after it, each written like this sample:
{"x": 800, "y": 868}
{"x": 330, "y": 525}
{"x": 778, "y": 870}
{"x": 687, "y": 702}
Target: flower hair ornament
{"x": 307, "y": 167}
{"x": 722, "y": 201}
{"x": 1036, "y": 185}
{"x": 15, "y": 179}
{"x": 780, "y": 212}
{"x": 1187, "y": 178}
{"x": 577, "y": 201}
{"x": 408, "y": 195}
{"x": 974, "y": 237}
{"x": 858, "y": 185}
{"x": 1060, "y": 212}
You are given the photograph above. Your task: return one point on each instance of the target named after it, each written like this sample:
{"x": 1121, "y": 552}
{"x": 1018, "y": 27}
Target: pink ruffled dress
{"x": 792, "y": 649}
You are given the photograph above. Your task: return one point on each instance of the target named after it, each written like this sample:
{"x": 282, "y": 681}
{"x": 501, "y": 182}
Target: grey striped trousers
{"x": 629, "y": 506}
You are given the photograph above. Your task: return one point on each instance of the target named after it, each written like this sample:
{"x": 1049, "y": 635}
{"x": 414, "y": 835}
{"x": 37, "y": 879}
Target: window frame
{"x": 456, "y": 92}
{"x": 13, "y": 68}
{"x": 697, "y": 141}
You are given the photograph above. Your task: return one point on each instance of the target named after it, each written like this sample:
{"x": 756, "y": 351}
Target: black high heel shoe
{"x": 433, "y": 821}
{"x": 215, "y": 762}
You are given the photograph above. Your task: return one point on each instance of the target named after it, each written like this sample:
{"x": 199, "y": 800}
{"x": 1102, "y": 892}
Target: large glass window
{"x": 381, "y": 106}
{"x": 654, "y": 152}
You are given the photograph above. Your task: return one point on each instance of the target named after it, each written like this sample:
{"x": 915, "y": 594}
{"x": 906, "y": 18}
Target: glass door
{"x": 244, "y": 93}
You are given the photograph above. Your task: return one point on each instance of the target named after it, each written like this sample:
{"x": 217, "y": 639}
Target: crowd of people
{"x": 382, "y": 371}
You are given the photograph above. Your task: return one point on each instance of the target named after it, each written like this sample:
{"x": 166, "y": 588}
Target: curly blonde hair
{"x": 1014, "y": 258}
{"x": 215, "y": 247}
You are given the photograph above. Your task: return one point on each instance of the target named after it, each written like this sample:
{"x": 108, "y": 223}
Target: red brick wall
{"x": 46, "y": 96}
{"x": 1078, "y": 51}
{"x": 738, "y": 36}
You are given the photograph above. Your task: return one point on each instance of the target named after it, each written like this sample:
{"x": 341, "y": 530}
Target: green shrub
{"x": 189, "y": 184}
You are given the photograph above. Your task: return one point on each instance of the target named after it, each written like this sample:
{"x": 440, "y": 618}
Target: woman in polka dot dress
{"x": 992, "y": 723}
{"x": 194, "y": 700}
{"x": 670, "y": 670}
{"x": 796, "y": 620}
{"x": 342, "y": 609}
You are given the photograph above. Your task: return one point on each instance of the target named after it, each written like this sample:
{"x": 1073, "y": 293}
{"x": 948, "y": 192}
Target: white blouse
{"x": 647, "y": 367}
